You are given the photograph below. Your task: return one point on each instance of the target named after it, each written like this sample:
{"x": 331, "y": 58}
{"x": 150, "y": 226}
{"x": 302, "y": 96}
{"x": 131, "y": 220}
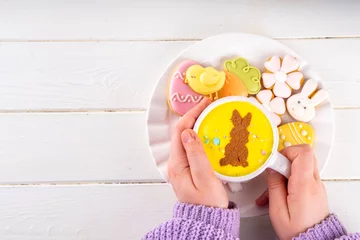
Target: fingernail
{"x": 270, "y": 171}
{"x": 187, "y": 136}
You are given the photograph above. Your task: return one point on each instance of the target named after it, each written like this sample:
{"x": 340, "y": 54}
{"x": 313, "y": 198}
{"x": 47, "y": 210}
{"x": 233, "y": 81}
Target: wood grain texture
{"x": 74, "y": 147}
{"x": 112, "y": 147}
{"x": 118, "y": 76}
{"x": 71, "y": 55}
{"x": 117, "y": 20}
{"x": 82, "y": 76}
{"x": 123, "y": 211}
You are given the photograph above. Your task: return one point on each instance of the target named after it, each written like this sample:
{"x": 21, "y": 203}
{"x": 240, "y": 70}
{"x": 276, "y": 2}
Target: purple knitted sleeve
{"x": 199, "y": 222}
{"x": 329, "y": 229}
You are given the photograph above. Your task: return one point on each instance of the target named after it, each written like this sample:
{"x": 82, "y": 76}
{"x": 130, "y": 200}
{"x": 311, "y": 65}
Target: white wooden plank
{"x": 78, "y": 147}
{"x": 74, "y": 147}
{"x": 118, "y": 20}
{"x": 80, "y": 75}
{"x": 83, "y": 76}
{"x": 344, "y": 160}
{"x": 123, "y": 211}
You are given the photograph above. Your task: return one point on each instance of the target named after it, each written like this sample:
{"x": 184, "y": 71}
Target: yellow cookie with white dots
{"x": 295, "y": 133}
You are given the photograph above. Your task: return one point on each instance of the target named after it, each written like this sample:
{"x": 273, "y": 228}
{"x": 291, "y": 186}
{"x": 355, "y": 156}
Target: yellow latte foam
{"x": 215, "y": 129}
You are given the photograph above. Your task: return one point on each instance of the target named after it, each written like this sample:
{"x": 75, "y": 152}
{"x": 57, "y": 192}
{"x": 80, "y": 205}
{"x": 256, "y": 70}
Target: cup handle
{"x": 281, "y": 164}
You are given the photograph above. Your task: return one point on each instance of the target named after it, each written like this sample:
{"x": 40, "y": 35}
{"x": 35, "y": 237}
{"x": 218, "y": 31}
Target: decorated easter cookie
{"x": 233, "y": 86}
{"x": 276, "y": 106}
{"x": 237, "y": 138}
{"x": 295, "y": 133}
{"x": 181, "y": 97}
{"x": 301, "y": 106}
{"x": 282, "y": 76}
{"x": 205, "y": 81}
{"x": 248, "y": 74}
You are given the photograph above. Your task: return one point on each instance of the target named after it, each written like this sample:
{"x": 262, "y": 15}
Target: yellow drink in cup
{"x": 239, "y": 139}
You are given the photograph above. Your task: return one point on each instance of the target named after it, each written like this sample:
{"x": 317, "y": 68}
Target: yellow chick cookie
{"x": 295, "y": 133}
{"x": 205, "y": 81}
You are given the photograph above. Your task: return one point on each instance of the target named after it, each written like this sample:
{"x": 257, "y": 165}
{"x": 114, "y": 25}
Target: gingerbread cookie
{"x": 181, "y": 97}
{"x": 233, "y": 86}
{"x": 301, "y": 106}
{"x": 282, "y": 76}
{"x": 276, "y": 106}
{"x": 206, "y": 81}
{"x": 295, "y": 133}
{"x": 249, "y": 75}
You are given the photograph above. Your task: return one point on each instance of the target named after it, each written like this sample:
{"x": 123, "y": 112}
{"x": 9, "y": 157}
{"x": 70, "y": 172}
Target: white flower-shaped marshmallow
{"x": 282, "y": 76}
{"x": 276, "y": 106}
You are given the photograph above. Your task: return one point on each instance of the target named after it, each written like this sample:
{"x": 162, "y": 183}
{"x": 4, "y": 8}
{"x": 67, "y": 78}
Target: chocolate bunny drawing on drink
{"x": 236, "y": 152}
{"x": 301, "y": 106}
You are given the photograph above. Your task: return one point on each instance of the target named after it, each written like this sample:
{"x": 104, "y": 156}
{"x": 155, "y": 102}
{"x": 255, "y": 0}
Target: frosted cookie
{"x": 181, "y": 97}
{"x": 205, "y": 81}
{"x": 249, "y": 75}
{"x": 233, "y": 86}
{"x": 282, "y": 75}
{"x": 294, "y": 134}
{"x": 276, "y": 106}
{"x": 301, "y": 106}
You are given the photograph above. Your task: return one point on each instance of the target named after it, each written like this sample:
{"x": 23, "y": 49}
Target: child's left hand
{"x": 190, "y": 172}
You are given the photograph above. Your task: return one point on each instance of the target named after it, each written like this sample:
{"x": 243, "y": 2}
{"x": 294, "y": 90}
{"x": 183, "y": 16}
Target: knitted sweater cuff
{"x": 227, "y": 220}
{"x": 329, "y": 229}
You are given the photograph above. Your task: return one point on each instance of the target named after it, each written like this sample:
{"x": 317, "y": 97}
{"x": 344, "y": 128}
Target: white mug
{"x": 275, "y": 161}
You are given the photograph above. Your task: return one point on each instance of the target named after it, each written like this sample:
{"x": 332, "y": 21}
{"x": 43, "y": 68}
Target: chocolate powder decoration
{"x": 236, "y": 152}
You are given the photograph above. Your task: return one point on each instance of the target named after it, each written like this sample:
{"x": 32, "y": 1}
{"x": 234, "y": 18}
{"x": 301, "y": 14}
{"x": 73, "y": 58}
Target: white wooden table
{"x": 75, "y": 81}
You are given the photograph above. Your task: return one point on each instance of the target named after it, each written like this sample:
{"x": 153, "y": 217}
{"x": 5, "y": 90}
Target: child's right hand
{"x": 303, "y": 203}
{"x": 190, "y": 172}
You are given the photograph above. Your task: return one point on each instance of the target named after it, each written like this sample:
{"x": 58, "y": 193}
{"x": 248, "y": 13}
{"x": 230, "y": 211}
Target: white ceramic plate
{"x": 213, "y": 52}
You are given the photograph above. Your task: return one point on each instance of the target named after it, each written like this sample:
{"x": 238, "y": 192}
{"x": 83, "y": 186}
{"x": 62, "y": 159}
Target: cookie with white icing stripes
{"x": 181, "y": 97}
{"x": 295, "y": 133}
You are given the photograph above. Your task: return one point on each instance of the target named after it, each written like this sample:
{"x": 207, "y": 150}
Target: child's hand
{"x": 304, "y": 203}
{"x": 190, "y": 172}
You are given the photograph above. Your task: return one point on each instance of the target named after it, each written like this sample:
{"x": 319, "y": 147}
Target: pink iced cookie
{"x": 282, "y": 75}
{"x": 276, "y": 106}
{"x": 301, "y": 106}
{"x": 181, "y": 97}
